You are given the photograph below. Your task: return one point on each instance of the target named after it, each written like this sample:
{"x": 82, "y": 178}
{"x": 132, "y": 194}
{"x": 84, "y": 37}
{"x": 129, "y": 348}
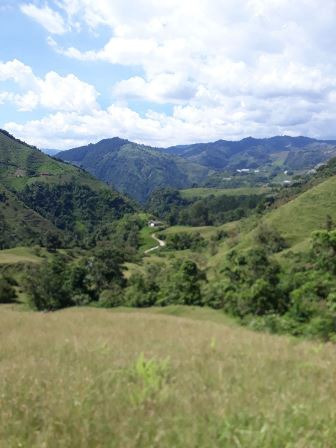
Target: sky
{"x": 166, "y": 72}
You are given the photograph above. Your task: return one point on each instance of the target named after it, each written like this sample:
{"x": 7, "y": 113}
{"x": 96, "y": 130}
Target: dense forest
{"x": 169, "y": 205}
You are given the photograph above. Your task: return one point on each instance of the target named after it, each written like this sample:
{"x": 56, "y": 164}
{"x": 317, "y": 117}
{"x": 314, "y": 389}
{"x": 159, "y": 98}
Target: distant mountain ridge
{"x": 133, "y": 168}
{"x": 138, "y": 170}
{"x": 255, "y": 153}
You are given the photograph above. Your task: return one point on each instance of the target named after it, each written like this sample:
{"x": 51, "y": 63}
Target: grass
{"x": 18, "y": 255}
{"x": 99, "y": 378}
{"x": 297, "y": 219}
{"x": 205, "y": 231}
{"x": 191, "y": 193}
{"x": 146, "y": 240}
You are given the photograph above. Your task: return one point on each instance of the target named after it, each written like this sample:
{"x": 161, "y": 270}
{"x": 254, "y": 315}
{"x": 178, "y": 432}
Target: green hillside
{"x": 135, "y": 169}
{"x": 297, "y": 219}
{"x": 19, "y": 223}
{"x": 41, "y": 195}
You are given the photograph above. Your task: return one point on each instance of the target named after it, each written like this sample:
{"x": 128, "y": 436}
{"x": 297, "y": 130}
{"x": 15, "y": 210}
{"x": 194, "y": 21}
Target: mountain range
{"x": 138, "y": 170}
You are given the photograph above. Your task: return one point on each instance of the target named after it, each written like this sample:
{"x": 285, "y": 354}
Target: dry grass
{"x": 98, "y": 378}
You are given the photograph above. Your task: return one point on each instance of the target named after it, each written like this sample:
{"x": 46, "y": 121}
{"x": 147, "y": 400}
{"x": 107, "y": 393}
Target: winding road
{"x": 161, "y": 244}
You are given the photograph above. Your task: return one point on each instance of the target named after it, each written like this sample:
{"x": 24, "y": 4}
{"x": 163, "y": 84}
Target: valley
{"x": 166, "y": 306}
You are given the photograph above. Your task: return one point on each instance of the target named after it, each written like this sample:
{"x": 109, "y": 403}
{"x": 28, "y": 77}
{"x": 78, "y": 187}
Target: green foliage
{"x": 47, "y": 286}
{"x": 52, "y": 241}
{"x": 250, "y": 284}
{"x": 112, "y": 297}
{"x": 7, "y": 290}
{"x": 169, "y": 205}
{"x": 76, "y": 209}
{"x": 181, "y": 285}
{"x": 270, "y": 239}
{"x": 61, "y": 282}
{"x": 142, "y": 291}
{"x": 150, "y": 375}
{"x": 185, "y": 240}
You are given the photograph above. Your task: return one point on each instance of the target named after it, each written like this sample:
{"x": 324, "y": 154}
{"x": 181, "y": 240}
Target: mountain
{"x": 39, "y": 194}
{"x": 290, "y": 153}
{"x": 135, "y": 169}
{"x": 138, "y": 170}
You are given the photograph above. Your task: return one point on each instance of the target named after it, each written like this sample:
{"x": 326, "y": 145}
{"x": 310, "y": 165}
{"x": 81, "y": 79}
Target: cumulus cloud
{"x": 55, "y": 92}
{"x": 186, "y": 124}
{"x": 51, "y": 20}
{"x": 228, "y": 69}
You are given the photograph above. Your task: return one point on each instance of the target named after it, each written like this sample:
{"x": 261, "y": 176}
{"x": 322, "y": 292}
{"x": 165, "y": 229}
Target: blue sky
{"x": 168, "y": 72}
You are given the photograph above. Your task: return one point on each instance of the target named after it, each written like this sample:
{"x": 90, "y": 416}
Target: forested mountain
{"x": 135, "y": 169}
{"x": 41, "y": 195}
{"x": 138, "y": 170}
{"x": 291, "y": 153}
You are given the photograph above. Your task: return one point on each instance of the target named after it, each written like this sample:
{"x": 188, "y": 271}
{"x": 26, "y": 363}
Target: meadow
{"x": 172, "y": 377}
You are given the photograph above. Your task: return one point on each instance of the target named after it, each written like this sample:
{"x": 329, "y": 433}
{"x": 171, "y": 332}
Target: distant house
{"x": 155, "y": 223}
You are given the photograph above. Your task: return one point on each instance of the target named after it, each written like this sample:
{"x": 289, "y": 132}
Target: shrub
{"x": 7, "y": 291}
{"x": 113, "y": 297}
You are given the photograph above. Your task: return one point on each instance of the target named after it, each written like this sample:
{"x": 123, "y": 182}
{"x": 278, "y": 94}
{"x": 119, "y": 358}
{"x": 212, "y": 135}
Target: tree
{"x": 250, "y": 284}
{"x": 47, "y": 285}
{"x": 182, "y": 285}
{"x": 7, "y": 291}
{"x": 52, "y": 241}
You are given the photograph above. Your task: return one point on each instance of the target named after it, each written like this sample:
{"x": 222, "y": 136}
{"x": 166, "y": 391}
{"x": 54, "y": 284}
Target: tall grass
{"x": 98, "y": 378}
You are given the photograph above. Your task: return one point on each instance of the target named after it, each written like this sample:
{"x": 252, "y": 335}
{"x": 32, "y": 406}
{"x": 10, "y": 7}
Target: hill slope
{"x": 40, "y": 194}
{"x": 135, "y": 169}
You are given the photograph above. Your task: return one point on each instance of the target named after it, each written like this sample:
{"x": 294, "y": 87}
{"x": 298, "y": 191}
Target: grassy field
{"x": 19, "y": 255}
{"x": 205, "y": 231}
{"x": 100, "y": 378}
{"x": 146, "y": 240}
{"x": 191, "y": 193}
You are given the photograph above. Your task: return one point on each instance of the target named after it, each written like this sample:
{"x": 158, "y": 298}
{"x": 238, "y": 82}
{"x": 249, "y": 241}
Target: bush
{"x": 270, "y": 238}
{"x": 185, "y": 240}
{"x": 47, "y": 285}
{"x": 113, "y": 297}
{"x": 7, "y": 291}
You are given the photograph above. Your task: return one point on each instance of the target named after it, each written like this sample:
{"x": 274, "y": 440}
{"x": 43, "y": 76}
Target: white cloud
{"x": 237, "y": 118}
{"x": 166, "y": 87}
{"x": 55, "y": 92}
{"x": 228, "y": 69}
{"x": 51, "y": 20}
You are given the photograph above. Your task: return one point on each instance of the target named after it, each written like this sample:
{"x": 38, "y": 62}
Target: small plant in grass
{"x": 150, "y": 377}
